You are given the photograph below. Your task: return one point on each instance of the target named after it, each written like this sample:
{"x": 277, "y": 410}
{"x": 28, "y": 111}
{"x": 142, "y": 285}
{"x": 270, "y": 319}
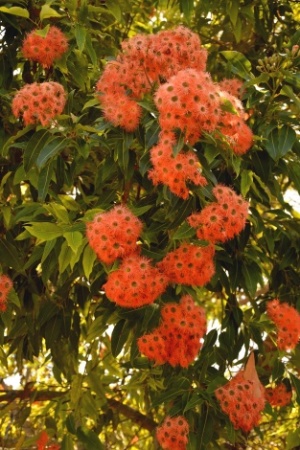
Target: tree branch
{"x": 43, "y": 395}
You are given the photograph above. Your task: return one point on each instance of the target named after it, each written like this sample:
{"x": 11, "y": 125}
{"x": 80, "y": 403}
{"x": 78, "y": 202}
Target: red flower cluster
{"x": 242, "y": 399}
{"x": 189, "y": 264}
{"x": 223, "y": 219}
{"x": 190, "y": 102}
{"x": 278, "y": 396}
{"x": 177, "y": 339}
{"x": 5, "y": 286}
{"x": 114, "y": 234}
{"x": 45, "y": 49}
{"x": 287, "y": 321}
{"x": 172, "y": 434}
{"x": 238, "y": 135}
{"x": 136, "y": 283}
{"x": 144, "y": 60}
{"x": 174, "y": 171}
{"x": 39, "y": 102}
{"x": 43, "y": 440}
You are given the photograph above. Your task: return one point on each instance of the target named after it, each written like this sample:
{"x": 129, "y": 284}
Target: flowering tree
{"x": 149, "y": 245}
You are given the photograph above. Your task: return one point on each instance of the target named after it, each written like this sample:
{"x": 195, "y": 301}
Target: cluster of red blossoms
{"x": 187, "y": 101}
{"x": 145, "y": 59}
{"x": 189, "y": 264}
{"x": 174, "y": 171}
{"x": 172, "y": 434}
{"x": 279, "y": 395}
{"x": 114, "y": 234}
{"x": 45, "y": 49}
{"x": 43, "y": 441}
{"x": 242, "y": 398}
{"x": 39, "y": 103}
{"x": 177, "y": 339}
{"x": 135, "y": 283}
{"x": 5, "y": 286}
{"x": 287, "y": 321}
{"x": 223, "y": 219}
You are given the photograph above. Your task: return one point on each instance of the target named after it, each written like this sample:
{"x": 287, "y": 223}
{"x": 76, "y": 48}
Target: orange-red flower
{"x": 278, "y": 395}
{"x": 174, "y": 171}
{"x": 172, "y": 434}
{"x": 113, "y": 234}
{"x": 177, "y": 339}
{"x": 287, "y": 321}
{"x": 39, "y": 103}
{"x": 135, "y": 283}
{"x": 242, "y": 398}
{"x": 45, "y": 49}
{"x": 5, "y": 286}
{"x": 223, "y": 219}
{"x": 189, "y": 264}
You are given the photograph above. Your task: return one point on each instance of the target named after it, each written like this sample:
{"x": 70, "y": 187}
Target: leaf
{"x": 119, "y": 337}
{"x": 67, "y": 443}
{"x": 74, "y": 239}
{"x": 45, "y": 231}
{"x": 186, "y": 7}
{"x": 185, "y": 231}
{"x": 296, "y": 383}
{"x": 15, "y": 11}
{"x": 34, "y": 147}
{"x": 64, "y": 258}
{"x": 9, "y": 256}
{"x": 51, "y": 149}
{"x": 47, "y": 12}
{"x": 246, "y": 181}
{"x": 80, "y": 35}
{"x": 90, "y": 439}
{"x": 114, "y": 7}
{"x": 240, "y": 65}
{"x": 293, "y": 440}
{"x": 88, "y": 259}
{"x": 53, "y": 330}
{"x": 44, "y": 181}
{"x": 280, "y": 141}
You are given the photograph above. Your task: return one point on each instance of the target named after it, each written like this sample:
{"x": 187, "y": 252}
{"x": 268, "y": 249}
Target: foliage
{"x": 82, "y": 376}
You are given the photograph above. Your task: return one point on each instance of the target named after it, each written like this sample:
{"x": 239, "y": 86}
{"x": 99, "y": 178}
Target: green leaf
{"x": 67, "y": 443}
{"x": 9, "y": 256}
{"x": 185, "y": 231}
{"x": 89, "y": 438}
{"x": 53, "y": 330}
{"x": 74, "y": 239}
{"x": 47, "y": 12}
{"x": 34, "y": 147}
{"x": 89, "y": 257}
{"x": 45, "y": 231}
{"x": 293, "y": 440}
{"x": 114, "y": 7}
{"x": 51, "y": 149}
{"x": 246, "y": 181}
{"x": 296, "y": 383}
{"x": 44, "y": 181}
{"x": 119, "y": 337}
{"x": 80, "y": 35}
{"x": 240, "y": 65}
{"x": 187, "y": 7}
{"x": 15, "y": 11}
{"x": 64, "y": 258}
{"x": 280, "y": 141}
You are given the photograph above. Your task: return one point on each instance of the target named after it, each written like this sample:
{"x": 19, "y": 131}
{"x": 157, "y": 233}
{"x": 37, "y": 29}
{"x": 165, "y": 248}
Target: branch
{"x": 132, "y": 414}
{"x": 43, "y": 395}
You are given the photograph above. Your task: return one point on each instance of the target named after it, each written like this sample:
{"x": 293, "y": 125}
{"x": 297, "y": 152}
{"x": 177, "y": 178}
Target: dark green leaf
{"x": 34, "y": 147}
{"x": 280, "y": 141}
{"x": 119, "y": 337}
